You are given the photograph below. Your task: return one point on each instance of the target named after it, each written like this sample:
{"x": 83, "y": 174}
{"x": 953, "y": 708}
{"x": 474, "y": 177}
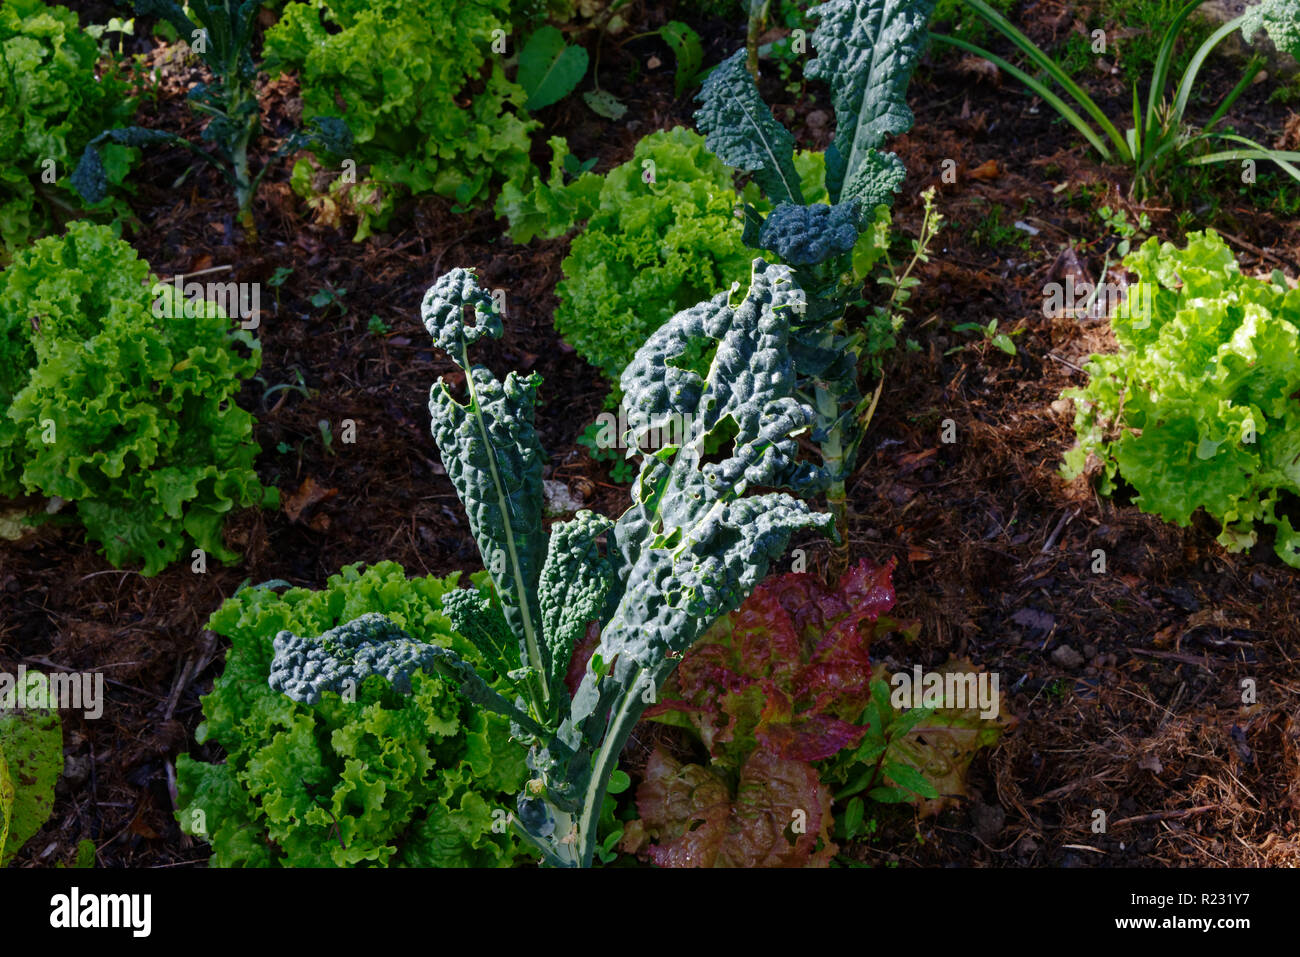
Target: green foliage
{"x": 650, "y": 249}
{"x": 691, "y": 547}
{"x": 51, "y": 104}
{"x": 915, "y": 755}
{"x": 961, "y": 21}
{"x": 31, "y": 760}
{"x": 774, "y": 687}
{"x": 122, "y": 402}
{"x": 688, "y": 51}
{"x": 401, "y": 73}
{"x": 1198, "y": 407}
{"x": 386, "y": 779}
{"x": 866, "y": 52}
{"x": 1160, "y": 137}
{"x": 550, "y": 209}
{"x": 221, "y": 33}
{"x": 549, "y": 68}
{"x": 620, "y": 470}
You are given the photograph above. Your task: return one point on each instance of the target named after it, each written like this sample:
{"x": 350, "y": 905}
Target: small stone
{"x": 988, "y": 820}
{"x": 1067, "y": 657}
{"x": 558, "y": 500}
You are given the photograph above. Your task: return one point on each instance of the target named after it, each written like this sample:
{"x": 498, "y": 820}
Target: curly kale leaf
{"x": 1280, "y": 18}
{"x": 493, "y": 458}
{"x": 443, "y": 312}
{"x": 326, "y": 135}
{"x": 741, "y": 131}
{"x": 866, "y": 51}
{"x": 342, "y": 658}
{"x": 808, "y": 235}
{"x": 90, "y": 179}
{"x": 693, "y": 545}
{"x": 479, "y": 619}
{"x": 574, "y": 587}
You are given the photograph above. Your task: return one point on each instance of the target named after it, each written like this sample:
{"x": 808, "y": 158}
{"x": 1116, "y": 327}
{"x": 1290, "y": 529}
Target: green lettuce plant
{"x": 51, "y": 103}
{"x": 649, "y": 249}
{"x": 402, "y": 75}
{"x": 689, "y": 549}
{"x": 1198, "y": 408}
{"x": 120, "y": 397}
{"x": 372, "y": 777}
{"x": 221, "y": 33}
{"x": 866, "y": 52}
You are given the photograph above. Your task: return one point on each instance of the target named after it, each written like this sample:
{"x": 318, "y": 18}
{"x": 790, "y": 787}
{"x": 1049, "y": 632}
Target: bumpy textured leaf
{"x": 90, "y": 179}
{"x": 699, "y": 823}
{"x": 492, "y": 456}
{"x": 31, "y": 739}
{"x": 808, "y": 235}
{"x": 341, "y": 658}
{"x": 549, "y": 68}
{"x": 480, "y": 620}
{"x": 741, "y": 131}
{"x": 574, "y": 586}
{"x": 1279, "y": 18}
{"x": 1198, "y": 408}
{"x": 866, "y": 52}
{"x": 693, "y": 545}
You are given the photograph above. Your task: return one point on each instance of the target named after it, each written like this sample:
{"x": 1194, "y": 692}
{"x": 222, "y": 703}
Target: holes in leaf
{"x": 719, "y": 445}
{"x": 469, "y": 316}
{"x": 697, "y": 357}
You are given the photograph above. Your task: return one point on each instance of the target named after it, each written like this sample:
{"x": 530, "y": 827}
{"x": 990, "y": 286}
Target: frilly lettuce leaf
{"x": 1198, "y": 409}
{"x": 778, "y": 816}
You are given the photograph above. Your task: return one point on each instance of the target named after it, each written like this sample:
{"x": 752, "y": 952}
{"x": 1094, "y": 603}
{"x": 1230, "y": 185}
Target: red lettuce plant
{"x": 780, "y": 683}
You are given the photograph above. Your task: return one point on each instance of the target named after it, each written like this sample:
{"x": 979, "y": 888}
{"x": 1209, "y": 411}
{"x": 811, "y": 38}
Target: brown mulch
{"x": 1127, "y": 682}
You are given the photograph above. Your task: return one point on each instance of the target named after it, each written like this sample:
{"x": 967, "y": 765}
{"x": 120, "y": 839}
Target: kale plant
{"x": 221, "y": 33}
{"x": 866, "y": 51}
{"x": 690, "y": 548}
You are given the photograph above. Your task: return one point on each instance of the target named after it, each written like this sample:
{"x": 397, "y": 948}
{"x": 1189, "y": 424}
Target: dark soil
{"x": 1142, "y": 717}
